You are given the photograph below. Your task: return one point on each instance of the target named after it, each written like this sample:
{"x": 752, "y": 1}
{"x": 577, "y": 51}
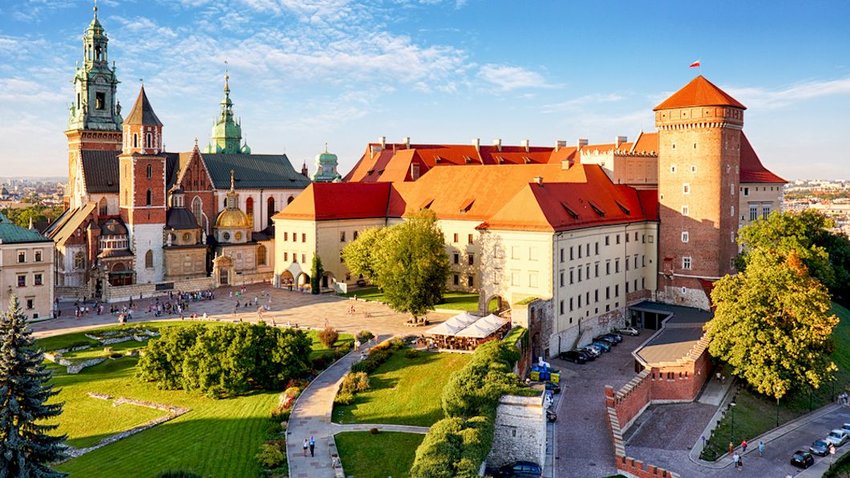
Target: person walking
{"x": 761, "y": 447}
{"x": 743, "y": 446}
{"x": 731, "y": 447}
{"x": 736, "y": 459}
{"x": 312, "y": 446}
{"x": 305, "y": 447}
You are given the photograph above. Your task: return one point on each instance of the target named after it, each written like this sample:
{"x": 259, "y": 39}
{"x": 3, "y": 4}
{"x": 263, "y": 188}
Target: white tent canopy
{"x": 483, "y": 327}
{"x": 453, "y": 325}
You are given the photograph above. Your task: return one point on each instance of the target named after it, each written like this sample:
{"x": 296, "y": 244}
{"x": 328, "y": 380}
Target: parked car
{"x": 521, "y": 469}
{"x": 837, "y": 437}
{"x": 551, "y": 416}
{"x": 593, "y": 351}
{"x": 605, "y": 346}
{"x": 604, "y": 338}
{"x": 554, "y": 387}
{"x": 628, "y": 331}
{"x": 617, "y": 337}
{"x": 574, "y": 356}
{"x": 820, "y": 447}
{"x": 802, "y": 459}
{"x": 846, "y": 427}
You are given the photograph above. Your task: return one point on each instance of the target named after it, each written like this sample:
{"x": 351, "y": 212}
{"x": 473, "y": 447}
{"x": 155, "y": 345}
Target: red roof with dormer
{"x": 334, "y": 201}
{"x": 699, "y": 92}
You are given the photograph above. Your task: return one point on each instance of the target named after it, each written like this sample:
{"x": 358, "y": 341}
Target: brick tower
{"x": 699, "y": 136}
{"x": 142, "y": 189}
{"x": 94, "y": 121}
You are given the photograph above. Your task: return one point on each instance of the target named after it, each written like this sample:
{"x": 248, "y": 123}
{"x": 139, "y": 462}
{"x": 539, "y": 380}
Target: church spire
{"x": 227, "y": 132}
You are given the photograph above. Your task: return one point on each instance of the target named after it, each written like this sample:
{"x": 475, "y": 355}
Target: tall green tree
{"x": 772, "y": 324}
{"x": 409, "y": 263}
{"x": 26, "y": 447}
{"x": 316, "y": 273}
{"x": 359, "y": 254}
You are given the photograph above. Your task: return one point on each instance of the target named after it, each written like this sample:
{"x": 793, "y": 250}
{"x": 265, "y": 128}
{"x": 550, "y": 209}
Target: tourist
{"x": 306, "y": 445}
{"x": 312, "y": 445}
{"x": 761, "y": 448}
{"x": 731, "y": 447}
{"x": 743, "y": 446}
{"x": 736, "y": 460}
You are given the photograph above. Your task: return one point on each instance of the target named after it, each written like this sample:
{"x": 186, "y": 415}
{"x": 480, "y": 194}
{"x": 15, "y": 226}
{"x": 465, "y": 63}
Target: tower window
{"x": 685, "y": 236}
{"x": 149, "y": 171}
{"x": 149, "y": 259}
{"x": 685, "y": 210}
{"x": 686, "y": 263}
{"x": 99, "y": 100}
{"x": 686, "y": 188}
{"x": 148, "y": 140}
{"x": 148, "y": 197}
{"x": 135, "y": 140}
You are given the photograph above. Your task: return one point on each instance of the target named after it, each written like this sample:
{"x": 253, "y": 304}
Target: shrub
{"x": 374, "y": 431}
{"x": 364, "y": 336}
{"x": 412, "y": 354}
{"x": 354, "y": 382}
{"x": 272, "y": 454}
{"x": 328, "y": 336}
{"x": 281, "y": 413}
{"x": 344, "y": 398}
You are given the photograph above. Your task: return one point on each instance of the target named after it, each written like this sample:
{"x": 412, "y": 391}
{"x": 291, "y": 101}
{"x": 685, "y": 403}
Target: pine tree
{"x": 26, "y": 448}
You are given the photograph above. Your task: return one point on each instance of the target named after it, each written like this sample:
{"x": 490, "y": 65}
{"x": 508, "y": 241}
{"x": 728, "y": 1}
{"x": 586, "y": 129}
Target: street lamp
{"x": 732, "y": 431}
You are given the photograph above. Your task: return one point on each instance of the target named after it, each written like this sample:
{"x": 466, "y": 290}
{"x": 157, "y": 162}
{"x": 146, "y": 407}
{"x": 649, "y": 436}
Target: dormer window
{"x": 99, "y": 100}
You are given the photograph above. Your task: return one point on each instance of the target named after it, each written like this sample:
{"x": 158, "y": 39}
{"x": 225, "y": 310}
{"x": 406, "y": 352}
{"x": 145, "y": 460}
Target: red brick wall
{"x": 195, "y": 182}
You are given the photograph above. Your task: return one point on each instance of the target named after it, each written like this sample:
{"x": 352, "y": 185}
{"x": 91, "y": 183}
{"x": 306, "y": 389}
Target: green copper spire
{"x": 94, "y": 106}
{"x": 326, "y": 164}
{"x": 227, "y": 131}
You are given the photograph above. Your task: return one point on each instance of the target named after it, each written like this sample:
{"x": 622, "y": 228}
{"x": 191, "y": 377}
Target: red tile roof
{"x": 752, "y": 171}
{"x": 646, "y": 143}
{"x": 699, "y": 92}
{"x": 329, "y": 201}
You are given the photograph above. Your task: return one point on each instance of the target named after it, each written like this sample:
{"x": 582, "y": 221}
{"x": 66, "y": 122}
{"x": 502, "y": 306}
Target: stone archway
{"x": 328, "y": 279}
{"x": 303, "y": 279}
{"x": 223, "y": 270}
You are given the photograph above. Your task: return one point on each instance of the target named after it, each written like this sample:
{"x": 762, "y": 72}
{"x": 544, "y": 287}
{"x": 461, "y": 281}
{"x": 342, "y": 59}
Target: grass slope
{"x": 364, "y": 455}
{"x": 404, "y": 390}
{"x": 755, "y": 414}
{"x": 216, "y": 438}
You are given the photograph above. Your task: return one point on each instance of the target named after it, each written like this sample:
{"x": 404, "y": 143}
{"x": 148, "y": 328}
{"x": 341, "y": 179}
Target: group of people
{"x": 311, "y": 444}
{"x": 843, "y": 398}
{"x": 738, "y": 458}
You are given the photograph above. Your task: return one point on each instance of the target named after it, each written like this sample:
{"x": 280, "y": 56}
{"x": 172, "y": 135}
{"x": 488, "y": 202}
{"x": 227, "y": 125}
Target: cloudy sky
{"x": 306, "y": 73}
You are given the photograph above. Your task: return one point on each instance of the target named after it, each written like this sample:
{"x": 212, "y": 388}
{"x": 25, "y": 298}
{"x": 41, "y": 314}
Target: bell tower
{"x": 699, "y": 156}
{"x": 142, "y": 189}
{"x": 94, "y": 116}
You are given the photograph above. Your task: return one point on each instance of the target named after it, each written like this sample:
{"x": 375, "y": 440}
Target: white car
{"x": 628, "y": 331}
{"x": 837, "y": 437}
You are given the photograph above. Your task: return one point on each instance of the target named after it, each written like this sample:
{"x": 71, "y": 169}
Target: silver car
{"x": 837, "y": 437}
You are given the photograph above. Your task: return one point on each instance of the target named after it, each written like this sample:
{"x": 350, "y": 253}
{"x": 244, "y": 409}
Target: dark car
{"x": 820, "y": 448}
{"x": 617, "y": 337}
{"x": 802, "y": 459}
{"x": 604, "y": 338}
{"x": 521, "y": 469}
{"x": 574, "y": 356}
{"x": 554, "y": 387}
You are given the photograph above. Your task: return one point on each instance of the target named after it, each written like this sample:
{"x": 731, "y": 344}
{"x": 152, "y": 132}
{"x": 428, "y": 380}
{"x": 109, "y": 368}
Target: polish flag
{"x": 695, "y": 64}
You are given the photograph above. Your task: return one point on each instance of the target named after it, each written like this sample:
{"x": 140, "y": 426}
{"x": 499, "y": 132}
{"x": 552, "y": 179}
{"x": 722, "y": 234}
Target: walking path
{"x": 311, "y": 417}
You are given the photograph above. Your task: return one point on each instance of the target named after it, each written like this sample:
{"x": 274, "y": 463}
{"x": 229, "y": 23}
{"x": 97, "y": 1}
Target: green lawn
{"x": 385, "y": 454}
{"x": 755, "y": 414}
{"x": 216, "y": 438}
{"x": 404, "y": 390}
{"x": 451, "y": 300}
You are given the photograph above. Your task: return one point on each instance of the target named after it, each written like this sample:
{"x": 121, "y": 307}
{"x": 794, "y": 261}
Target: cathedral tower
{"x": 142, "y": 188}
{"x": 94, "y": 121}
{"x": 227, "y": 130}
{"x": 699, "y": 137}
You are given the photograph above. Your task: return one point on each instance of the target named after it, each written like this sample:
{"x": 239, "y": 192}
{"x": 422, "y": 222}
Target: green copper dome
{"x": 227, "y": 130}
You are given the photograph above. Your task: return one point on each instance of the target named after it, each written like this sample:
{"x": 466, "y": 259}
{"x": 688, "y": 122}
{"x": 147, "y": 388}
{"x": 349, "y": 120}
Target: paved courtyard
{"x": 287, "y": 307}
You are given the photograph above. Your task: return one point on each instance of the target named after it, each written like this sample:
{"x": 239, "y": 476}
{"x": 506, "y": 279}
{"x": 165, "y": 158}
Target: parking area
{"x": 582, "y": 442}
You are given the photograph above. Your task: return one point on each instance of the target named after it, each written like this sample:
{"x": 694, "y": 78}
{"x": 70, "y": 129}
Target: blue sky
{"x": 304, "y": 73}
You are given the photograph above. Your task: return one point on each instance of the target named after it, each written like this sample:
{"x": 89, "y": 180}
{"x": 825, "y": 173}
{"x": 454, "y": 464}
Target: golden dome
{"x": 232, "y": 218}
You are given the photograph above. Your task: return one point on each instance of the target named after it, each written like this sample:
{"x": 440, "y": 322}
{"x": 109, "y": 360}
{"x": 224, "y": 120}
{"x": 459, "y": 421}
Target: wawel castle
{"x": 579, "y": 231}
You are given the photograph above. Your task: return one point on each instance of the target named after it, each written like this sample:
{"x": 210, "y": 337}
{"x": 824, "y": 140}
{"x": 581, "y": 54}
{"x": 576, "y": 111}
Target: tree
{"x": 316, "y": 273}
{"x": 772, "y": 324}
{"x": 359, "y": 254}
{"x": 26, "y": 447}
{"x": 408, "y": 261}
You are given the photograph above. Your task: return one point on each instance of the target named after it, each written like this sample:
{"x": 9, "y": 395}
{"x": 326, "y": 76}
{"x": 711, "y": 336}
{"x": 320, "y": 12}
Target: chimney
{"x": 383, "y": 141}
{"x": 524, "y": 144}
{"x": 475, "y": 142}
{"x": 498, "y": 144}
{"x": 566, "y": 164}
{"x": 538, "y": 180}
{"x": 406, "y": 142}
{"x": 582, "y": 142}
{"x": 560, "y": 144}
{"x": 620, "y": 140}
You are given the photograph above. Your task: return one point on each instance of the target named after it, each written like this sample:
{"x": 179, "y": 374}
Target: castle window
{"x": 149, "y": 171}
{"x": 22, "y": 257}
{"x": 765, "y": 211}
{"x": 471, "y": 259}
{"x": 693, "y": 169}
{"x": 456, "y": 280}
{"x": 685, "y": 236}
{"x": 356, "y": 235}
{"x": 99, "y": 100}
{"x": 673, "y": 168}
{"x": 732, "y": 211}
{"x": 38, "y": 256}
{"x": 470, "y": 281}
{"x": 685, "y": 210}
{"x": 261, "y": 255}
{"x": 686, "y": 188}
{"x": 197, "y": 209}
{"x": 148, "y": 140}
{"x": 135, "y": 140}
{"x": 747, "y": 191}
{"x": 148, "y": 197}
{"x": 249, "y": 207}
{"x": 686, "y": 263}
{"x": 38, "y": 279}
{"x": 732, "y": 236}
{"x": 149, "y": 259}
{"x": 271, "y": 209}
{"x": 732, "y": 189}
{"x": 341, "y": 236}
{"x": 754, "y": 213}
{"x": 79, "y": 261}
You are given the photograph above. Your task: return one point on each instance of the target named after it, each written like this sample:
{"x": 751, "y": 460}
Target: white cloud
{"x": 508, "y": 78}
{"x": 764, "y": 98}
{"x": 580, "y": 102}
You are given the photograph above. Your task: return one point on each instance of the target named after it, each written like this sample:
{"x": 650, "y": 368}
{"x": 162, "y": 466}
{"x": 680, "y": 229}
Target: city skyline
{"x": 331, "y": 71}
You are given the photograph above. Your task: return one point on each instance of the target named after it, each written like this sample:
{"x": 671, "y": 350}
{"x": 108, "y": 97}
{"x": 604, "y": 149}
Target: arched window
{"x": 271, "y": 210}
{"x": 102, "y": 207}
{"x": 148, "y": 140}
{"x": 261, "y": 255}
{"x": 149, "y": 170}
{"x": 249, "y": 207}
{"x": 197, "y": 210}
{"x": 148, "y": 198}
{"x": 291, "y": 198}
{"x": 149, "y": 259}
{"x": 135, "y": 140}
{"x": 79, "y": 261}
